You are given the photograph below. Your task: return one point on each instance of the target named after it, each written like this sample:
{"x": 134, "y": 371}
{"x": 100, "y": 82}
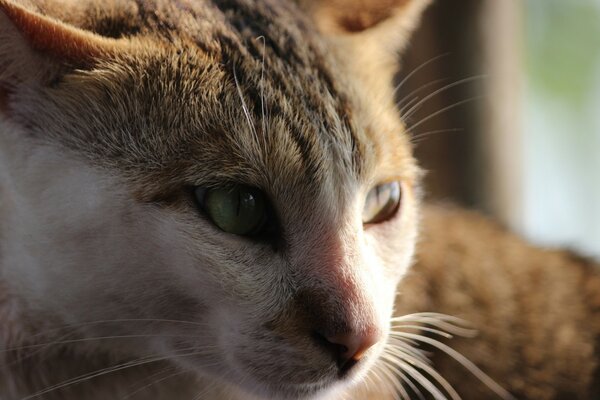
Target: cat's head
{"x": 228, "y": 180}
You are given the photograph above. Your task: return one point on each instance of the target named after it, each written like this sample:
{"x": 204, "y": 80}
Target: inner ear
{"x": 354, "y": 16}
{"x": 32, "y": 44}
{"x": 357, "y": 16}
{"x": 56, "y": 38}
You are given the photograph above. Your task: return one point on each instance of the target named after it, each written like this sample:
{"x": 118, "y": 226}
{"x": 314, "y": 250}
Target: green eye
{"x": 236, "y": 209}
{"x": 381, "y": 203}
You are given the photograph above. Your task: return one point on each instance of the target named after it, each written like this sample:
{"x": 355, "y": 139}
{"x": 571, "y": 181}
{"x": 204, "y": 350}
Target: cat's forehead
{"x": 224, "y": 91}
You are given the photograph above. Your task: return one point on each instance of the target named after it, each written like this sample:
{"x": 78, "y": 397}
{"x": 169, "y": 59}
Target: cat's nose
{"x": 349, "y": 348}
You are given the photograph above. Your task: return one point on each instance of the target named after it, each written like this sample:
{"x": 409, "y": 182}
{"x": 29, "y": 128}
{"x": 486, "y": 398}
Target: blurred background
{"x": 503, "y": 101}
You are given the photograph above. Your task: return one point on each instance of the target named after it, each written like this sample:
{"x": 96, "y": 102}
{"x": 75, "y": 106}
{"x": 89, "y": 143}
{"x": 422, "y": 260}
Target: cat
{"x": 202, "y": 189}
{"x": 217, "y": 200}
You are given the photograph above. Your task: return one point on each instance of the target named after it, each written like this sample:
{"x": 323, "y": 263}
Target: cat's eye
{"x": 382, "y": 203}
{"x": 237, "y": 209}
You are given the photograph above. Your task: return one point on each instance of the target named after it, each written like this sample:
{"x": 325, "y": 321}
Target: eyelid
{"x": 379, "y": 210}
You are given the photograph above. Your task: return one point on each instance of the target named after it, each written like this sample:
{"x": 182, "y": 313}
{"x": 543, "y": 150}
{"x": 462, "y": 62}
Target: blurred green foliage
{"x": 563, "y": 48}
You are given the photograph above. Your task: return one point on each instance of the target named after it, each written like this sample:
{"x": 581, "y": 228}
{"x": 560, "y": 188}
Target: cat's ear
{"x": 389, "y": 21}
{"x": 369, "y": 34}
{"x": 35, "y": 47}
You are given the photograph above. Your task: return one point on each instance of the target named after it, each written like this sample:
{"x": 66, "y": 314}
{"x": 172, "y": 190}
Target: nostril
{"x": 354, "y": 346}
{"x": 334, "y": 349}
{"x": 347, "y": 348}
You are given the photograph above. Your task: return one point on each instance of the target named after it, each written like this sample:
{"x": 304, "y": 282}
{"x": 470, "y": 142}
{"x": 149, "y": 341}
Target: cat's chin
{"x": 291, "y": 392}
{"x": 305, "y": 383}
{"x": 326, "y": 389}
{"x": 248, "y": 385}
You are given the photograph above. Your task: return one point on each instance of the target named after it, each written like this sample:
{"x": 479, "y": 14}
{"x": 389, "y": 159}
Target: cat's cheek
{"x": 85, "y": 251}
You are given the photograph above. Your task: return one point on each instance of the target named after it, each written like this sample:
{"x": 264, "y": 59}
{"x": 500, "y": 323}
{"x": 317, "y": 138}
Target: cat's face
{"x": 114, "y": 175}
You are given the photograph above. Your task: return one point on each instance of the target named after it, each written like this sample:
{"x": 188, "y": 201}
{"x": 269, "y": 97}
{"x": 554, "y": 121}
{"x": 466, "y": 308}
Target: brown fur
{"x": 537, "y": 311}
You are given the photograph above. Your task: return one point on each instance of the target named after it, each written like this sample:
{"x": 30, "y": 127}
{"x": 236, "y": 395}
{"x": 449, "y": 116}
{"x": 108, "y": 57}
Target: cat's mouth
{"x": 274, "y": 389}
{"x": 283, "y": 373}
{"x": 307, "y": 349}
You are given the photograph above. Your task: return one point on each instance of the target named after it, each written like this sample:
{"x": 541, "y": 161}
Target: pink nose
{"x": 349, "y": 348}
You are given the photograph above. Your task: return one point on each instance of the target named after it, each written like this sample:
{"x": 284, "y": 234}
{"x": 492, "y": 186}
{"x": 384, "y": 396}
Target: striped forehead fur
{"x": 249, "y": 80}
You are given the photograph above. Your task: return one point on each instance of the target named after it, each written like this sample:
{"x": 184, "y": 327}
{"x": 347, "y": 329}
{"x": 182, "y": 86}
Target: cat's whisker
{"x": 35, "y": 352}
{"x": 414, "y": 344}
{"x": 384, "y": 378}
{"x": 465, "y": 362}
{"x": 415, "y": 374}
{"x": 91, "y": 339}
{"x": 401, "y": 363}
{"x": 407, "y": 381}
{"x": 450, "y": 324}
{"x": 404, "y": 379}
{"x": 411, "y": 98}
{"x": 369, "y": 381}
{"x": 245, "y": 108}
{"x": 414, "y": 103}
{"x": 206, "y": 390}
{"x": 262, "y": 87}
{"x": 112, "y": 369}
{"x": 401, "y": 345}
{"x": 91, "y": 375}
{"x": 401, "y": 391}
{"x": 73, "y": 330}
{"x": 155, "y": 382}
{"x": 412, "y": 386}
{"x": 118, "y": 321}
{"x": 153, "y": 376}
{"x": 407, "y": 114}
{"x": 423, "y": 328}
{"x": 418, "y": 138}
{"x": 407, "y": 352}
{"x": 443, "y": 110}
{"x": 431, "y": 316}
{"x": 417, "y": 69}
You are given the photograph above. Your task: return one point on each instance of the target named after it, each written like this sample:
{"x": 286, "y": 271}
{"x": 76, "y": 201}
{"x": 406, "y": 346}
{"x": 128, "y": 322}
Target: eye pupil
{"x": 382, "y": 203}
{"x": 236, "y": 209}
